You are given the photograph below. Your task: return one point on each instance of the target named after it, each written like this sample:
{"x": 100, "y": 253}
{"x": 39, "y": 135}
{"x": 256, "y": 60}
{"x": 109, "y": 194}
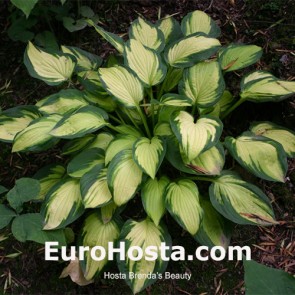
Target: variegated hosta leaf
{"x": 172, "y": 99}
{"x": 15, "y": 120}
{"x": 166, "y": 112}
{"x": 122, "y": 84}
{"x": 197, "y": 166}
{"x": 94, "y": 91}
{"x": 124, "y": 177}
{"x": 153, "y": 198}
{"x": 162, "y": 129}
{"x": 199, "y": 22}
{"x": 129, "y": 130}
{"x": 149, "y": 154}
{"x": 240, "y": 201}
{"x": 107, "y": 103}
{"x": 85, "y": 120}
{"x": 147, "y": 34}
{"x": 91, "y": 83}
{"x": 223, "y": 104}
{"x": 195, "y": 137}
{"x": 53, "y": 69}
{"x": 260, "y": 155}
{"x": 225, "y": 101}
{"x": 239, "y": 56}
{"x": 203, "y": 83}
{"x": 254, "y": 77}
{"x": 182, "y": 202}
{"x": 261, "y": 86}
{"x": 209, "y": 162}
{"x": 77, "y": 144}
{"x": 187, "y": 51}
{"x": 170, "y": 28}
{"x": 134, "y": 114}
{"x": 85, "y": 60}
{"x": 114, "y": 59}
{"x": 108, "y": 211}
{"x": 212, "y": 111}
{"x": 48, "y": 176}
{"x": 85, "y": 161}
{"x": 153, "y": 107}
{"x": 94, "y": 187}
{"x": 62, "y": 102}
{"x": 36, "y": 137}
{"x": 113, "y": 39}
{"x": 215, "y": 229}
{"x": 89, "y": 141}
{"x": 145, "y": 62}
{"x": 120, "y": 143}
{"x": 101, "y": 141}
{"x": 96, "y": 233}
{"x": 277, "y": 133}
{"x": 143, "y": 234}
{"x": 174, "y": 157}
{"x": 63, "y": 204}
{"x": 172, "y": 78}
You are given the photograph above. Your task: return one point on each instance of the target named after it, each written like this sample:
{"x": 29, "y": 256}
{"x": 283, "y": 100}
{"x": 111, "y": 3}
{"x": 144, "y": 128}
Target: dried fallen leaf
{"x": 75, "y": 272}
{"x": 232, "y": 2}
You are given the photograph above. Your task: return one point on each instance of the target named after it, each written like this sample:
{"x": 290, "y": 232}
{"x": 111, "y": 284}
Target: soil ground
{"x": 270, "y": 24}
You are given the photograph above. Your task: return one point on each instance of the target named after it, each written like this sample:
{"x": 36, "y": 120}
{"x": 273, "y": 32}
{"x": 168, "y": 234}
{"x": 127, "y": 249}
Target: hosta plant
{"x": 146, "y": 126}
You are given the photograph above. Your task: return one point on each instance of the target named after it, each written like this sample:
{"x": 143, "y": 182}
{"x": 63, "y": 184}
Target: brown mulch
{"x": 276, "y": 247}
